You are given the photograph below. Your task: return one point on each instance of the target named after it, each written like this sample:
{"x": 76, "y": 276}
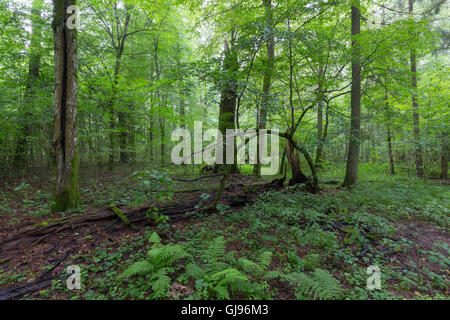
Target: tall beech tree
{"x": 31, "y": 86}
{"x": 67, "y": 194}
{"x": 268, "y": 73}
{"x": 418, "y": 155}
{"x": 351, "y": 174}
{"x": 228, "y": 101}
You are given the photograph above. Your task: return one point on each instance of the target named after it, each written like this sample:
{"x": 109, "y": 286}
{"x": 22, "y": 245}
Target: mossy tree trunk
{"x": 228, "y": 104}
{"x": 66, "y": 194}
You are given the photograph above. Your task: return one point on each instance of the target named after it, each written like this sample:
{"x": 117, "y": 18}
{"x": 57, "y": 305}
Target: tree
{"x": 228, "y": 101}
{"x": 418, "y": 155}
{"x": 268, "y": 72}
{"x": 67, "y": 195}
{"x": 351, "y": 175}
{"x": 32, "y": 84}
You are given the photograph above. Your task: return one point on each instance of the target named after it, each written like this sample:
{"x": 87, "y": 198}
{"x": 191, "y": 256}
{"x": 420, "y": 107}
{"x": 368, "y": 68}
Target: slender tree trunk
{"x": 325, "y": 132}
{"x": 389, "y": 135}
{"x": 124, "y": 127}
{"x": 418, "y": 155}
{"x": 267, "y": 81}
{"x": 320, "y": 133}
{"x": 351, "y": 176}
{"x": 119, "y": 47}
{"x": 112, "y": 113}
{"x": 444, "y": 157}
{"x": 67, "y": 195}
{"x": 390, "y": 151}
{"x": 158, "y": 100}
{"x": 162, "y": 125}
{"x": 31, "y": 87}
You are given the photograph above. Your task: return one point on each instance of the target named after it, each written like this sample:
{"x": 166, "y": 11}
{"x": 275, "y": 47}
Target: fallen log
{"x": 233, "y": 195}
{"x": 44, "y": 281}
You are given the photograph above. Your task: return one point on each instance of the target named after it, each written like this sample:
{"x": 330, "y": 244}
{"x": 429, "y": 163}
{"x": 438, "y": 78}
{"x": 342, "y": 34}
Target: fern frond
{"x": 327, "y": 286}
{"x": 222, "y": 292}
{"x": 173, "y": 253}
{"x": 161, "y": 286}
{"x": 154, "y": 238}
{"x": 138, "y": 268}
{"x": 154, "y": 254}
{"x": 248, "y": 266}
{"x": 216, "y": 251}
{"x": 228, "y": 276}
{"x": 264, "y": 260}
{"x": 272, "y": 275}
{"x": 166, "y": 255}
{"x": 321, "y": 285}
{"x": 194, "y": 271}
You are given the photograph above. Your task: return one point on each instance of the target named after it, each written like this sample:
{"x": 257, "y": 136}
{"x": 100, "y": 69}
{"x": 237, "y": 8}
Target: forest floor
{"x": 329, "y": 240}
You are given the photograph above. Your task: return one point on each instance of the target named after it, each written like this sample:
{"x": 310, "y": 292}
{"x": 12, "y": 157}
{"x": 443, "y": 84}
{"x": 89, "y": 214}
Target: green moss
{"x": 69, "y": 198}
{"x": 121, "y": 215}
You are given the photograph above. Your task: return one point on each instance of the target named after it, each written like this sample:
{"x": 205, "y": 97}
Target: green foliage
{"x": 320, "y": 285}
{"x": 222, "y": 280}
{"x": 157, "y": 266}
{"x": 154, "y": 185}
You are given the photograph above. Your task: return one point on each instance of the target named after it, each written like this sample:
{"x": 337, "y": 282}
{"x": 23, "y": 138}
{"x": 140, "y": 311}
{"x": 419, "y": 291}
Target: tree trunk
{"x": 268, "y": 73}
{"x": 31, "y": 87}
{"x": 297, "y": 174}
{"x": 351, "y": 176}
{"x": 444, "y": 157}
{"x": 67, "y": 195}
{"x": 389, "y": 135}
{"x": 320, "y": 133}
{"x": 391, "y": 155}
{"x": 124, "y": 127}
{"x": 228, "y": 105}
{"x": 119, "y": 48}
{"x": 418, "y": 155}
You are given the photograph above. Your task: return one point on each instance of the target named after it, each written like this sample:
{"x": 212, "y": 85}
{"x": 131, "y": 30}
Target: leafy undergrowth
{"x": 286, "y": 245}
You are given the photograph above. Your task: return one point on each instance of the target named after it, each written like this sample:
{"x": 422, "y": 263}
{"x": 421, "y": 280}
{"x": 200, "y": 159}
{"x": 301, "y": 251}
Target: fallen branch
{"x": 121, "y": 216}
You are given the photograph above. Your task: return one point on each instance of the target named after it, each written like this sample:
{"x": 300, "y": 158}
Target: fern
{"x": 159, "y": 258}
{"x": 154, "y": 238}
{"x": 161, "y": 286}
{"x": 166, "y": 255}
{"x": 264, "y": 260}
{"x": 194, "y": 271}
{"x": 138, "y": 269}
{"x": 321, "y": 285}
{"x": 221, "y": 292}
{"x": 222, "y": 278}
{"x": 248, "y": 266}
{"x": 215, "y": 254}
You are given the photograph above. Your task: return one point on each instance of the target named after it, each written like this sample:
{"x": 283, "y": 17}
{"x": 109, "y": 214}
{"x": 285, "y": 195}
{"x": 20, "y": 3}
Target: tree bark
{"x": 268, "y": 73}
{"x": 66, "y": 195}
{"x": 351, "y": 176}
{"x": 320, "y": 130}
{"x": 444, "y": 157}
{"x": 297, "y": 174}
{"x": 418, "y": 155}
{"x": 389, "y": 135}
{"x": 228, "y": 104}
